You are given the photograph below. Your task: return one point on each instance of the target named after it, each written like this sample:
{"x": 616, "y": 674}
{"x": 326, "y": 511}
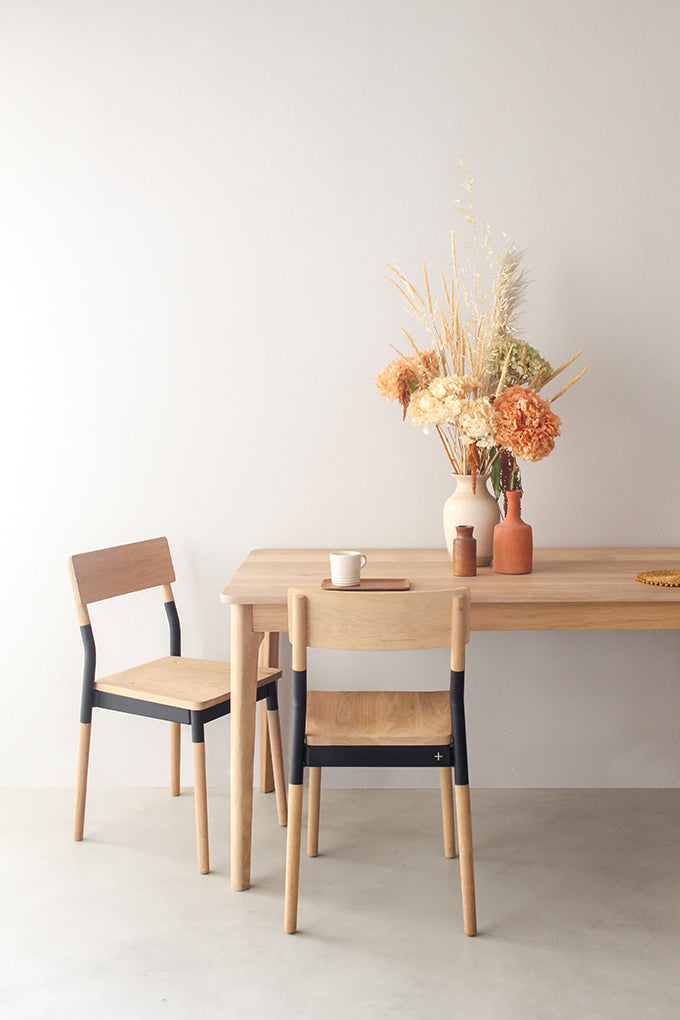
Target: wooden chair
{"x": 174, "y": 688}
{"x": 379, "y": 728}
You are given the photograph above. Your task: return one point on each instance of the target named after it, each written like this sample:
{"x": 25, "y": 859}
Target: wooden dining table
{"x": 568, "y": 589}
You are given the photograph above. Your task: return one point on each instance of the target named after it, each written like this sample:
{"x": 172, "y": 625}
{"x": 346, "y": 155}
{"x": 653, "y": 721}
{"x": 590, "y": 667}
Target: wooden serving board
{"x": 372, "y": 584}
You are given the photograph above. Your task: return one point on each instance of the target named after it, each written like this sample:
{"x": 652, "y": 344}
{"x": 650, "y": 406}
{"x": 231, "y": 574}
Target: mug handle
{"x": 364, "y": 561}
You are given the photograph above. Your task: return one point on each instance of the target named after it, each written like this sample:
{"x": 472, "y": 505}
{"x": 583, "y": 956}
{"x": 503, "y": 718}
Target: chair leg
{"x": 274, "y": 729}
{"x": 269, "y": 658}
{"x": 293, "y": 857}
{"x": 81, "y": 780}
{"x": 201, "y": 806}
{"x": 467, "y": 871}
{"x": 267, "y": 780}
{"x": 446, "y": 783}
{"x": 175, "y": 746}
{"x": 313, "y": 815}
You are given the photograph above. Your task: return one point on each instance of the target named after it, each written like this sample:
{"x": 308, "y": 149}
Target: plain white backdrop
{"x": 197, "y": 205}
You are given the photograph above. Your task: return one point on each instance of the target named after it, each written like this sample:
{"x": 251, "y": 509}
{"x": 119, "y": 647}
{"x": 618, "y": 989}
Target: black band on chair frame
{"x": 297, "y": 761}
{"x": 379, "y": 755}
{"x": 458, "y": 727}
{"x": 197, "y": 731}
{"x": 87, "y": 694}
{"x": 152, "y": 710}
{"x": 175, "y": 632}
{"x": 269, "y": 692}
{"x": 133, "y": 706}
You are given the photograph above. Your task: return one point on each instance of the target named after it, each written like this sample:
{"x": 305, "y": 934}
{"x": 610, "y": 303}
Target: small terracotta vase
{"x": 513, "y": 543}
{"x": 464, "y": 553}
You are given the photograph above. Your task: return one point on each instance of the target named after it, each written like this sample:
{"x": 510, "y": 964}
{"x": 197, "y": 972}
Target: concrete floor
{"x": 578, "y": 897}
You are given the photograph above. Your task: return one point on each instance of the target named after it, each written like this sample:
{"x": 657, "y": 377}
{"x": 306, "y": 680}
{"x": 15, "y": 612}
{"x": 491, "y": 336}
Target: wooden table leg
{"x": 269, "y": 656}
{"x": 244, "y": 652}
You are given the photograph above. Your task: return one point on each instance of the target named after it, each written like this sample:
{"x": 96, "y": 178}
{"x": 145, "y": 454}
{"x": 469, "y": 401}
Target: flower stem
{"x": 448, "y": 450}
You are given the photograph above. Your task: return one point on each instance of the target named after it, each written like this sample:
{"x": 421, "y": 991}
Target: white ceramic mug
{"x": 346, "y": 567}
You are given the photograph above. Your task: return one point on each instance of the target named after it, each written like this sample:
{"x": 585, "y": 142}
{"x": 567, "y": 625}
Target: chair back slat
{"x": 106, "y": 573}
{"x": 376, "y": 621}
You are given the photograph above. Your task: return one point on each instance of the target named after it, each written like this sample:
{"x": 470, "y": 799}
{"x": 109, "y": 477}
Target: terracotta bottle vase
{"x": 513, "y": 543}
{"x": 464, "y": 552}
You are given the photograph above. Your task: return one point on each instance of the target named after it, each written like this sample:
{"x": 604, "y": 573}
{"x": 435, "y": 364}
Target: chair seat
{"x": 387, "y": 718}
{"x": 180, "y": 682}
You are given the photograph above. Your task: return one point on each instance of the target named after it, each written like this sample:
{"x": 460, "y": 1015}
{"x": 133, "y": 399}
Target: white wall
{"x": 198, "y": 201}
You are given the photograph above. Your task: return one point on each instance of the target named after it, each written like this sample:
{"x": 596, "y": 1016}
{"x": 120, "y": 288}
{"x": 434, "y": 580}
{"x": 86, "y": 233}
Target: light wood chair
{"x": 379, "y": 728}
{"x": 174, "y": 688}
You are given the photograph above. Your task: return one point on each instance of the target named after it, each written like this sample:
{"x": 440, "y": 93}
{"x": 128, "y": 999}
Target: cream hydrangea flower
{"x": 477, "y": 423}
{"x": 443, "y": 400}
{"x": 454, "y": 385}
{"x": 428, "y": 409}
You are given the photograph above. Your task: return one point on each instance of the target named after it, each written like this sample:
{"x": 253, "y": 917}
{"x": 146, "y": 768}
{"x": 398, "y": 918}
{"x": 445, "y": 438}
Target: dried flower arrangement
{"x": 477, "y": 383}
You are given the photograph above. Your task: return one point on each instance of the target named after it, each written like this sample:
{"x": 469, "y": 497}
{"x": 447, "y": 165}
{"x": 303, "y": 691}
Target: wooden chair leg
{"x": 446, "y": 783}
{"x": 267, "y": 777}
{"x": 293, "y": 837}
{"x": 269, "y": 658}
{"x": 313, "y": 812}
{"x": 175, "y": 747}
{"x": 467, "y": 871}
{"x": 274, "y": 729}
{"x": 201, "y": 806}
{"x": 81, "y": 780}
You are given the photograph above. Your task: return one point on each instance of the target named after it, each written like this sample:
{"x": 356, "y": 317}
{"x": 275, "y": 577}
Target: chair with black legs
{"x": 379, "y": 728}
{"x": 174, "y": 688}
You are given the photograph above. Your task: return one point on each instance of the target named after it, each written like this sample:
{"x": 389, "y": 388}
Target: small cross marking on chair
{"x": 439, "y": 756}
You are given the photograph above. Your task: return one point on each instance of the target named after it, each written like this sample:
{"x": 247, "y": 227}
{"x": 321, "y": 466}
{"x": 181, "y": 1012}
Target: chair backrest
{"x": 107, "y": 573}
{"x": 378, "y": 621}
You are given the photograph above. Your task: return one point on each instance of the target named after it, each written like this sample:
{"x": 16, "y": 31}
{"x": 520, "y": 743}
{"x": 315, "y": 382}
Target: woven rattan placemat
{"x": 667, "y": 578}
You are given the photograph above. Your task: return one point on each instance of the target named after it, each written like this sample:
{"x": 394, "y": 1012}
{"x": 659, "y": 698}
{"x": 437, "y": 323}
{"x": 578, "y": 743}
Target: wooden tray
{"x": 372, "y": 584}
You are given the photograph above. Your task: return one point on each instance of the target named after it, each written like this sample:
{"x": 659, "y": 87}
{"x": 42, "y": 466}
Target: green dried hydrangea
{"x": 526, "y": 366}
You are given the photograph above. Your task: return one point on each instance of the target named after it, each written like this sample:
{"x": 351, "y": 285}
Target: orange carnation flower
{"x": 525, "y": 423}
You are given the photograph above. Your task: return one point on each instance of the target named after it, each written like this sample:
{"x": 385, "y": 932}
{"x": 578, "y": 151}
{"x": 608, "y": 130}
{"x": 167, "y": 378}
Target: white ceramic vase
{"x": 479, "y": 509}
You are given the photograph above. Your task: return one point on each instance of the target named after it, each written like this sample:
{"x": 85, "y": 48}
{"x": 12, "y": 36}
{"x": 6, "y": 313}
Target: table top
{"x": 577, "y": 589}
